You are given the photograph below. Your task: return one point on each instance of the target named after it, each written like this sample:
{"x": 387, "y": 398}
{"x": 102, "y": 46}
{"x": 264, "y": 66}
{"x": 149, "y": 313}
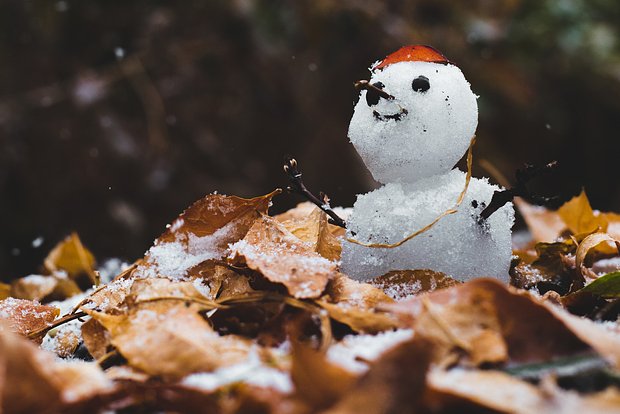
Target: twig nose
{"x": 364, "y": 84}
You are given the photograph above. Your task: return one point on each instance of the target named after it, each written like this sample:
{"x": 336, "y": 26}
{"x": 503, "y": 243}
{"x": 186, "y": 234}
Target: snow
{"x": 413, "y": 155}
{"x": 353, "y": 349}
{"x": 430, "y": 138}
{"x": 251, "y": 371}
{"x": 457, "y": 245}
{"x": 110, "y": 268}
{"x": 174, "y": 259}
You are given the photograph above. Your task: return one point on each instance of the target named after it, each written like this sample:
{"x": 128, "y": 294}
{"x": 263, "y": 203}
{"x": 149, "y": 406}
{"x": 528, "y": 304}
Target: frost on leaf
{"x": 281, "y": 257}
{"x": 170, "y": 339}
{"x": 202, "y": 232}
{"x": 25, "y": 316}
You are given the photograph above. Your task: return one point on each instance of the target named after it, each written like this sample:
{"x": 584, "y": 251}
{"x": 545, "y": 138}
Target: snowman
{"x": 414, "y": 120}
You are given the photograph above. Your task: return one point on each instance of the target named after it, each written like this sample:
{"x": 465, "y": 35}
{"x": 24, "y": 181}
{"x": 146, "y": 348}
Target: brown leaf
{"x": 395, "y": 383}
{"x": 280, "y": 257}
{"x": 544, "y": 225}
{"x": 354, "y": 304}
{"x": 31, "y": 381}
{"x": 33, "y": 287}
{"x": 599, "y": 337}
{"x": 5, "y": 291}
{"x": 72, "y": 257}
{"x": 485, "y": 312}
{"x": 303, "y": 210}
{"x": 202, "y": 232}
{"x": 24, "y": 316}
{"x": 493, "y": 390}
{"x": 96, "y": 338}
{"x": 167, "y": 338}
{"x": 318, "y": 382}
{"x": 313, "y": 228}
{"x": 402, "y": 284}
{"x": 221, "y": 282}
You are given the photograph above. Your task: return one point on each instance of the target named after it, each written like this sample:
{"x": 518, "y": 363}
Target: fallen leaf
{"x": 303, "y": 210}
{"x": 313, "y": 228}
{"x": 34, "y": 287}
{"x": 607, "y": 286}
{"x": 72, "y": 257}
{"x": 32, "y": 381}
{"x": 25, "y": 316}
{"x": 605, "y": 341}
{"x": 402, "y": 284}
{"x": 458, "y": 318}
{"x": 395, "y": 383}
{"x": 355, "y": 304}
{"x": 579, "y": 217}
{"x": 601, "y": 241}
{"x": 492, "y": 390}
{"x": 202, "y": 232}
{"x": 167, "y": 338}
{"x": 544, "y": 225}
{"x": 318, "y": 382}
{"x": 220, "y": 281}
{"x": 5, "y": 291}
{"x": 280, "y": 257}
{"x": 96, "y": 338}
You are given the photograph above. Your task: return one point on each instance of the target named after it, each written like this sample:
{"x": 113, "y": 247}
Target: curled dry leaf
{"x": 25, "y": 316}
{"x": 491, "y": 323}
{"x": 170, "y": 339}
{"x": 280, "y": 257}
{"x": 202, "y": 232}
{"x": 314, "y": 229}
{"x": 72, "y": 257}
{"x": 601, "y": 241}
{"x": 31, "y": 381}
{"x": 402, "y": 284}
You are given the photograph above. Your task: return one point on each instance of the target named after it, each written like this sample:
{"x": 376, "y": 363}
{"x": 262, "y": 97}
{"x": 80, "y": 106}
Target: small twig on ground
{"x": 523, "y": 176}
{"x": 297, "y": 186}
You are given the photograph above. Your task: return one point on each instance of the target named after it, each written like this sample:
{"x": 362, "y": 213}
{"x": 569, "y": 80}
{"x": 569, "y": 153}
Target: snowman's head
{"x": 415, "y": 117}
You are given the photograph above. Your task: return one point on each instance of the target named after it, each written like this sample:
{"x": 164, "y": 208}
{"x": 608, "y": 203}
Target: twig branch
{"x": 523, "y": 177}
{"x": 298, "y": 186}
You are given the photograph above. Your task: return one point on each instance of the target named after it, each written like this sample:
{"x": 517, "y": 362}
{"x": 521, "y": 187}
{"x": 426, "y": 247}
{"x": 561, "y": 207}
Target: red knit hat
{"x": 412, "y": 53}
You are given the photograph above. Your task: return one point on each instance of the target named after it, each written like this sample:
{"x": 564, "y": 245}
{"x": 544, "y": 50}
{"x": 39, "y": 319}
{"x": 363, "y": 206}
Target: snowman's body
{"x": 411, "y": 143}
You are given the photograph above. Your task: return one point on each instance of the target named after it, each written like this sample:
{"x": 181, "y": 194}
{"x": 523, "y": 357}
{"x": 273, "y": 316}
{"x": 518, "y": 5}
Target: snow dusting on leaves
{"x": 283, "y": 258}
{"x": 234, "y": 311}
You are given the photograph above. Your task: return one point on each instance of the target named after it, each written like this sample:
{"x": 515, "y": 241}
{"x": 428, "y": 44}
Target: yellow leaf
{"x": 579, "y": 217}
{"x": 71, "y": 256}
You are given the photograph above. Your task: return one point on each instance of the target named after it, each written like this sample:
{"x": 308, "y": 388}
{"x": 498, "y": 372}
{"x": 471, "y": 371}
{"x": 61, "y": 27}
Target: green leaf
{"x": 607, "y": 286}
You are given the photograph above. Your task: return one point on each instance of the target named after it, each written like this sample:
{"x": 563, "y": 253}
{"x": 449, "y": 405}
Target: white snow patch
{"x": 251, "y": 371}
{"x": 353, "y": 349}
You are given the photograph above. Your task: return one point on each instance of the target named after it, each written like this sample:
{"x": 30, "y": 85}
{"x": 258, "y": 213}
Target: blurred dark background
{"x": 116, "y": 115}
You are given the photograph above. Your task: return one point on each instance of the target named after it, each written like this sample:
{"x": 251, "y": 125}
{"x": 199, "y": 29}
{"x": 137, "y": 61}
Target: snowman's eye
{"x": 420, "y": 84}
{"x": 372, "y": 96}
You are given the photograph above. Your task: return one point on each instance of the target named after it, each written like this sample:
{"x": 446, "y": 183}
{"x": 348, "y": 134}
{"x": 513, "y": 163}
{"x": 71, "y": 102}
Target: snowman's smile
{"x": 386, "y": 117}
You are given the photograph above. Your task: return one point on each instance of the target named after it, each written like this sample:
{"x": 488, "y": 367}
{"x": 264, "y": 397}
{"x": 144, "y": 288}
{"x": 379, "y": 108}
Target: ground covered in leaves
{"x": 235, "y": 311}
